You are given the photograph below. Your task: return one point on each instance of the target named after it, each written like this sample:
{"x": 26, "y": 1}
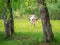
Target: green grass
{"x": 27, "y": 34}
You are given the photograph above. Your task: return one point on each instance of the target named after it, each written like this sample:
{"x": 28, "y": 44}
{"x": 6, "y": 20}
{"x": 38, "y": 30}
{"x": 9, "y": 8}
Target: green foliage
{"x": 2, "y": 2}
{"x": 54, "y": 9}
{"x": 25, "y": 7}
{"x": 28, "y": 7}
{"x": 31, "y": 7}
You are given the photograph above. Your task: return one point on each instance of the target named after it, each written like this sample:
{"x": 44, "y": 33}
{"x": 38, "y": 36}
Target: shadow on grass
{"x": 26, "y": 38}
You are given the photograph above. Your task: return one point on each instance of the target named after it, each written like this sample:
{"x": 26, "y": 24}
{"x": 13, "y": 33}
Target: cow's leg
{"x": 34, "y": 23}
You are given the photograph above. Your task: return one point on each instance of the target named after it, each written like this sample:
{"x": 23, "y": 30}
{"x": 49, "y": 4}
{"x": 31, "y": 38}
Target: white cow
{"x": 33, "y": 19}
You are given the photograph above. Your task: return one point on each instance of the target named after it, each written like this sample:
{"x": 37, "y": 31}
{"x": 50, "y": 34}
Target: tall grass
{"x": 27, "y": 34}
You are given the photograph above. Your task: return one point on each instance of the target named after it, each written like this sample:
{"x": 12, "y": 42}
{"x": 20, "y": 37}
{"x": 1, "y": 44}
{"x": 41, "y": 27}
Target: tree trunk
{"x": 6, "y": 25}
{"x": 9, "y": 24}
{"x": 11, "y": 21}
{"x": 47, "y": 29}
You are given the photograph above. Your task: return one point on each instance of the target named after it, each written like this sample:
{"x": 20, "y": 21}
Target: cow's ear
{"x": 36, "y": 19}
{"x": 32, "y": 19}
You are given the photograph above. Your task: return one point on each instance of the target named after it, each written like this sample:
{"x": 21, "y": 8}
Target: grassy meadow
{"x": 27, "y": 34}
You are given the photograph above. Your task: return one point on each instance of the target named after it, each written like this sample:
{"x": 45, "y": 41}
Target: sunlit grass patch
{"x": 25, "y": 26}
